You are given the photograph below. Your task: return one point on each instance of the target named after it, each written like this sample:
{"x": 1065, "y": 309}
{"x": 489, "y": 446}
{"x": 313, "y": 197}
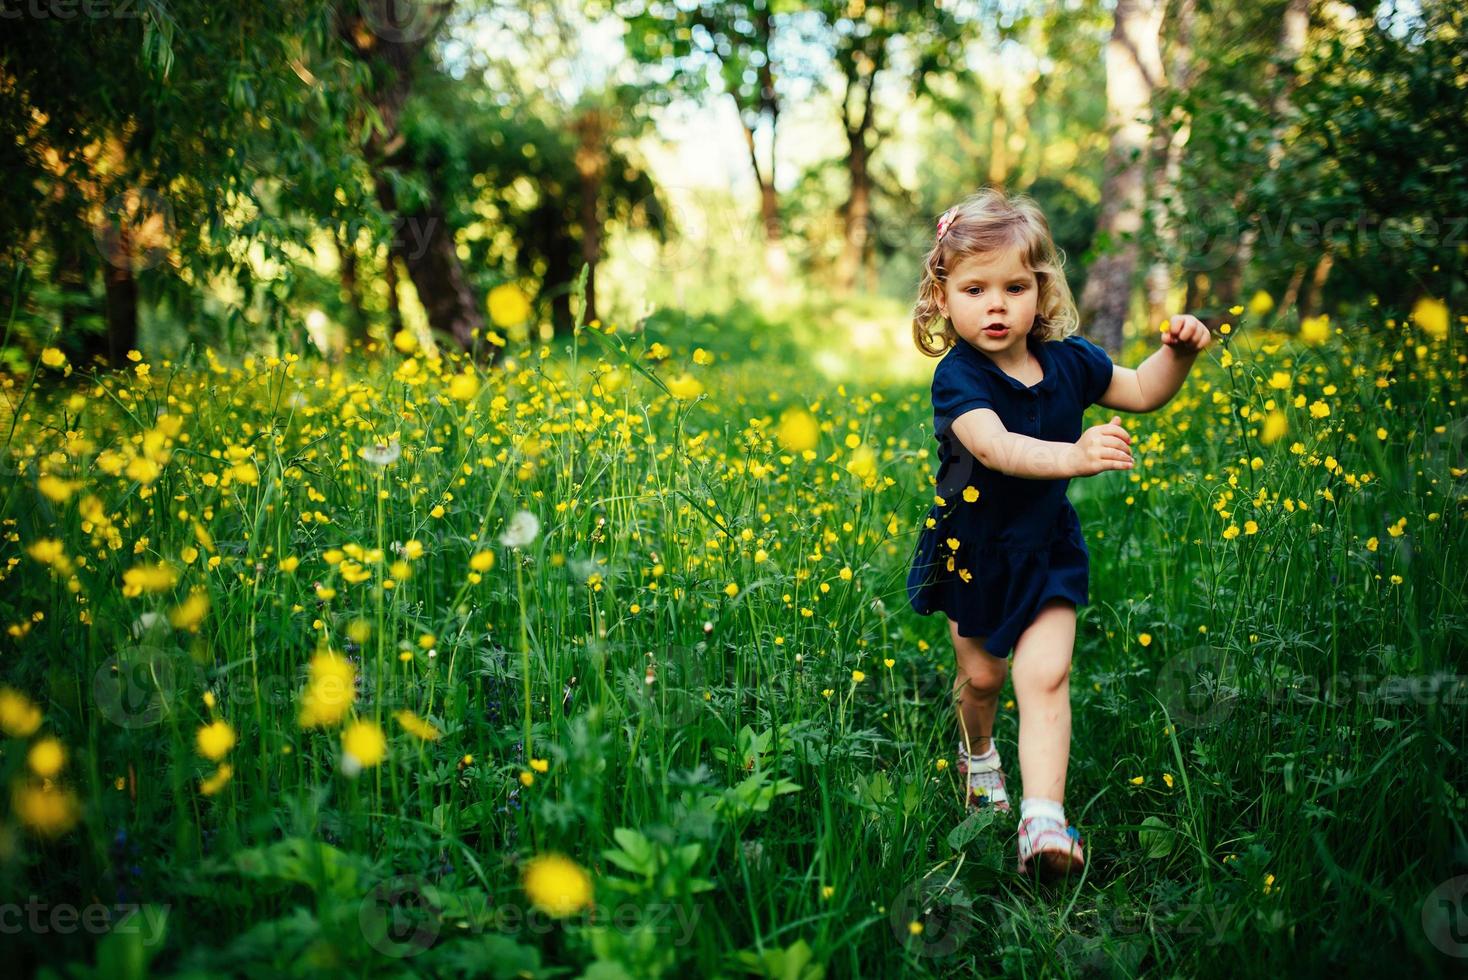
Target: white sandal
{"x": 1056, "y": 846}
{"x": 985, "y": 779}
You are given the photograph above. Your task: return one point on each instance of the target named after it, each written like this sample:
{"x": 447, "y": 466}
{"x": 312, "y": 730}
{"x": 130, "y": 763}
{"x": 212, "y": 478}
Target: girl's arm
{"x": 1100, "y": 448}
{"x": 1159, "y": 377}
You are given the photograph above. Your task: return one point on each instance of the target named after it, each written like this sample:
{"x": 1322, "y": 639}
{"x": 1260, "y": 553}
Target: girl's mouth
{"x": 995, "y": 330}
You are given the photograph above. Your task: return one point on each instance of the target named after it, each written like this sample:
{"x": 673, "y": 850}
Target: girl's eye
{"x": 1020, "y": 288}
{"x": 973, "y": 290}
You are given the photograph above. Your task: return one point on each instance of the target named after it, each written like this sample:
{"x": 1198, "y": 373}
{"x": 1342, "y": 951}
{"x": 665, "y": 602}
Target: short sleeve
{"x": 958, "y": 387}
{"x": 1095, "y": 367}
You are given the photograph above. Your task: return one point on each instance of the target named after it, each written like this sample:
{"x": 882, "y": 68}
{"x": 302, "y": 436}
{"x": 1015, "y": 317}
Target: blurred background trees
{"x": 313, "y": 172}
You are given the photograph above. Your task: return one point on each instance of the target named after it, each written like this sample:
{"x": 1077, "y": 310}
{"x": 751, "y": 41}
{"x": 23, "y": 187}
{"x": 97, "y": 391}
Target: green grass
{"x": 733, "y": 817}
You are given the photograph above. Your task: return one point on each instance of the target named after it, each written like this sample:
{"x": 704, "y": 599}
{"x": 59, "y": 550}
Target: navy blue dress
{"x": 990, "y": 562}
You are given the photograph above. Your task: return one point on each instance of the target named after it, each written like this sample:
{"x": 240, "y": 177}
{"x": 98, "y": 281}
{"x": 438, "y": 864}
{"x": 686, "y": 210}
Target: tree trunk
{"x": 998, "y": 135}
{"x": 1168, "y": 150}
{"x": 858, "y": 214}
{"x": 1133, "y": 68}
{"x": 351, "y": 288}
{"x": 1281, "y": 73}
{"x": 592, "y": 131}
{"x": 1313, "y": 296}
{"x": 394, "y": 306}
{"x": 122, "y": 302}
{"x": 429, "y": 254}
{"x": 425, "y": 244}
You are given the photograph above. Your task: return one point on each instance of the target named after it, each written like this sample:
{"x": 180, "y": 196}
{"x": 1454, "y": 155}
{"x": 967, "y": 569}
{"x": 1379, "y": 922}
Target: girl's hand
{"x": 1103, "y": 447}
{"x": 1186, "y": 334}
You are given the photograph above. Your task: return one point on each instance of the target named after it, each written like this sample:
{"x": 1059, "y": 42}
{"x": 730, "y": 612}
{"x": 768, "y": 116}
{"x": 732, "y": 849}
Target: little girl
{"x": 1001, "y": 551}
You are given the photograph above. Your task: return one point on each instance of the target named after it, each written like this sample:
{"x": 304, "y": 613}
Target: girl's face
{"x": 991, "y": 299}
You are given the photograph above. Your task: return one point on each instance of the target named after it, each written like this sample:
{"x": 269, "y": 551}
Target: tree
{"x": 916, "y": 39}
{"x": 1133, "y": 73}
{"x": 737, "y": 41}
{"x": 393, "y": 39}
{"x": 169, "y": 153}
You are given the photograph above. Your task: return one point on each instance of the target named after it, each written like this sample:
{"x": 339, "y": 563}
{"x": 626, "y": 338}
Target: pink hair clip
{"x": 944, "y": 220}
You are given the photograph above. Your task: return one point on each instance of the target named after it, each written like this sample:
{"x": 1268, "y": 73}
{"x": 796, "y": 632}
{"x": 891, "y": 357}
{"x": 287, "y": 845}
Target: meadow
{"x": 599, "y": 663}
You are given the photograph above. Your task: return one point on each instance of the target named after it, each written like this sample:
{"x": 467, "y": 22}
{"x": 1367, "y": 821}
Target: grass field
{"x": 601, "y": 664}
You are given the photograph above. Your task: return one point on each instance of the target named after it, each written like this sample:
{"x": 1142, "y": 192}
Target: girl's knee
{"x": 978, "y": 669}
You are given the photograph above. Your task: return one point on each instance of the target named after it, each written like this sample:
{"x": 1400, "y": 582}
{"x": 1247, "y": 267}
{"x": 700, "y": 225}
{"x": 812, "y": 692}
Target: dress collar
{"x": 1039, "y": 348}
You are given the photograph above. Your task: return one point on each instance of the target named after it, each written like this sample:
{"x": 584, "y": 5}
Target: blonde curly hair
{"x": 988, "y": 221}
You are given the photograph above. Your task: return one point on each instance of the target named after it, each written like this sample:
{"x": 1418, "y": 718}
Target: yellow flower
{"x": 1251, "y": 527}
{"x": 53, "y": 358}
{"x": 1261, "y": 303}
{"x": 159, "y": 577}
{"x": 1230, "y": 532}
{"x": 970, "y": 494}
{"x": 798, "y": 430}
{"x": 915, "y": 927}
{"x": 1145, "y": 639}
{"x": 289, "y": 564}
{"x": 46, "y": 757}
{"x": 464, "y": 386}
{"x": 731, "y": 590}
{"x": 1275, "y": 426}
{"x": 417, "y": 726}
{"x": 405, "y": 341}
{"x": 46, "y": 808}
{"x": 19, "y": 718}
{"x": 330, "y": 690}
{"x": 191, "y": 612}
{"x": 215, "y": 740}
{"x": 1138, "y": 780}
{"x": 527, "y": 777}
{"x": 508, "y": 305}
{"x": 1236, "y": 310}
{"x": 685, "y": 387}
{"x": 540, "y": 765}
{"x": 55, "y": 489}
{"x": 1431, "y": 315}
{"x": 1319, "y": 409}
{"x": 213, "y": 784}
{"x": 1167, "y": 778}
{"x": 1315, "y": 330}
{"x": 363, "y": 746}
{"x": 557, "y": 885}
{"x": 863, "y": 463}
{"x": 1268, "y": 883}
{"x": 482, "y": 561}
{"x": 857, "y": 676}
{"x": 827, "y": 693}
{"x": 1371, "y": 543}
{"x": 1279, "y": 380}
{"x": 941, "y": 764}
{"x": 888, "y": 662}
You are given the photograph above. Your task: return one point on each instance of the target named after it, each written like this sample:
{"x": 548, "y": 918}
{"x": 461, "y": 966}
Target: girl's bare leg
{"x": 976, "y": 686}
{"x": 1042, "y": 687}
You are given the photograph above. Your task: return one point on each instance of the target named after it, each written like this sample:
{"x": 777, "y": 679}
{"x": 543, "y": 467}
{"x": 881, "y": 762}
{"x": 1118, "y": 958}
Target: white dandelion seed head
{"x": 523, "y": 528}
{"x": 297, "y": 399}
{"x": 382, "y": 453}
{"x": 351, "y": 765}
{"x": 146, "y": 623}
